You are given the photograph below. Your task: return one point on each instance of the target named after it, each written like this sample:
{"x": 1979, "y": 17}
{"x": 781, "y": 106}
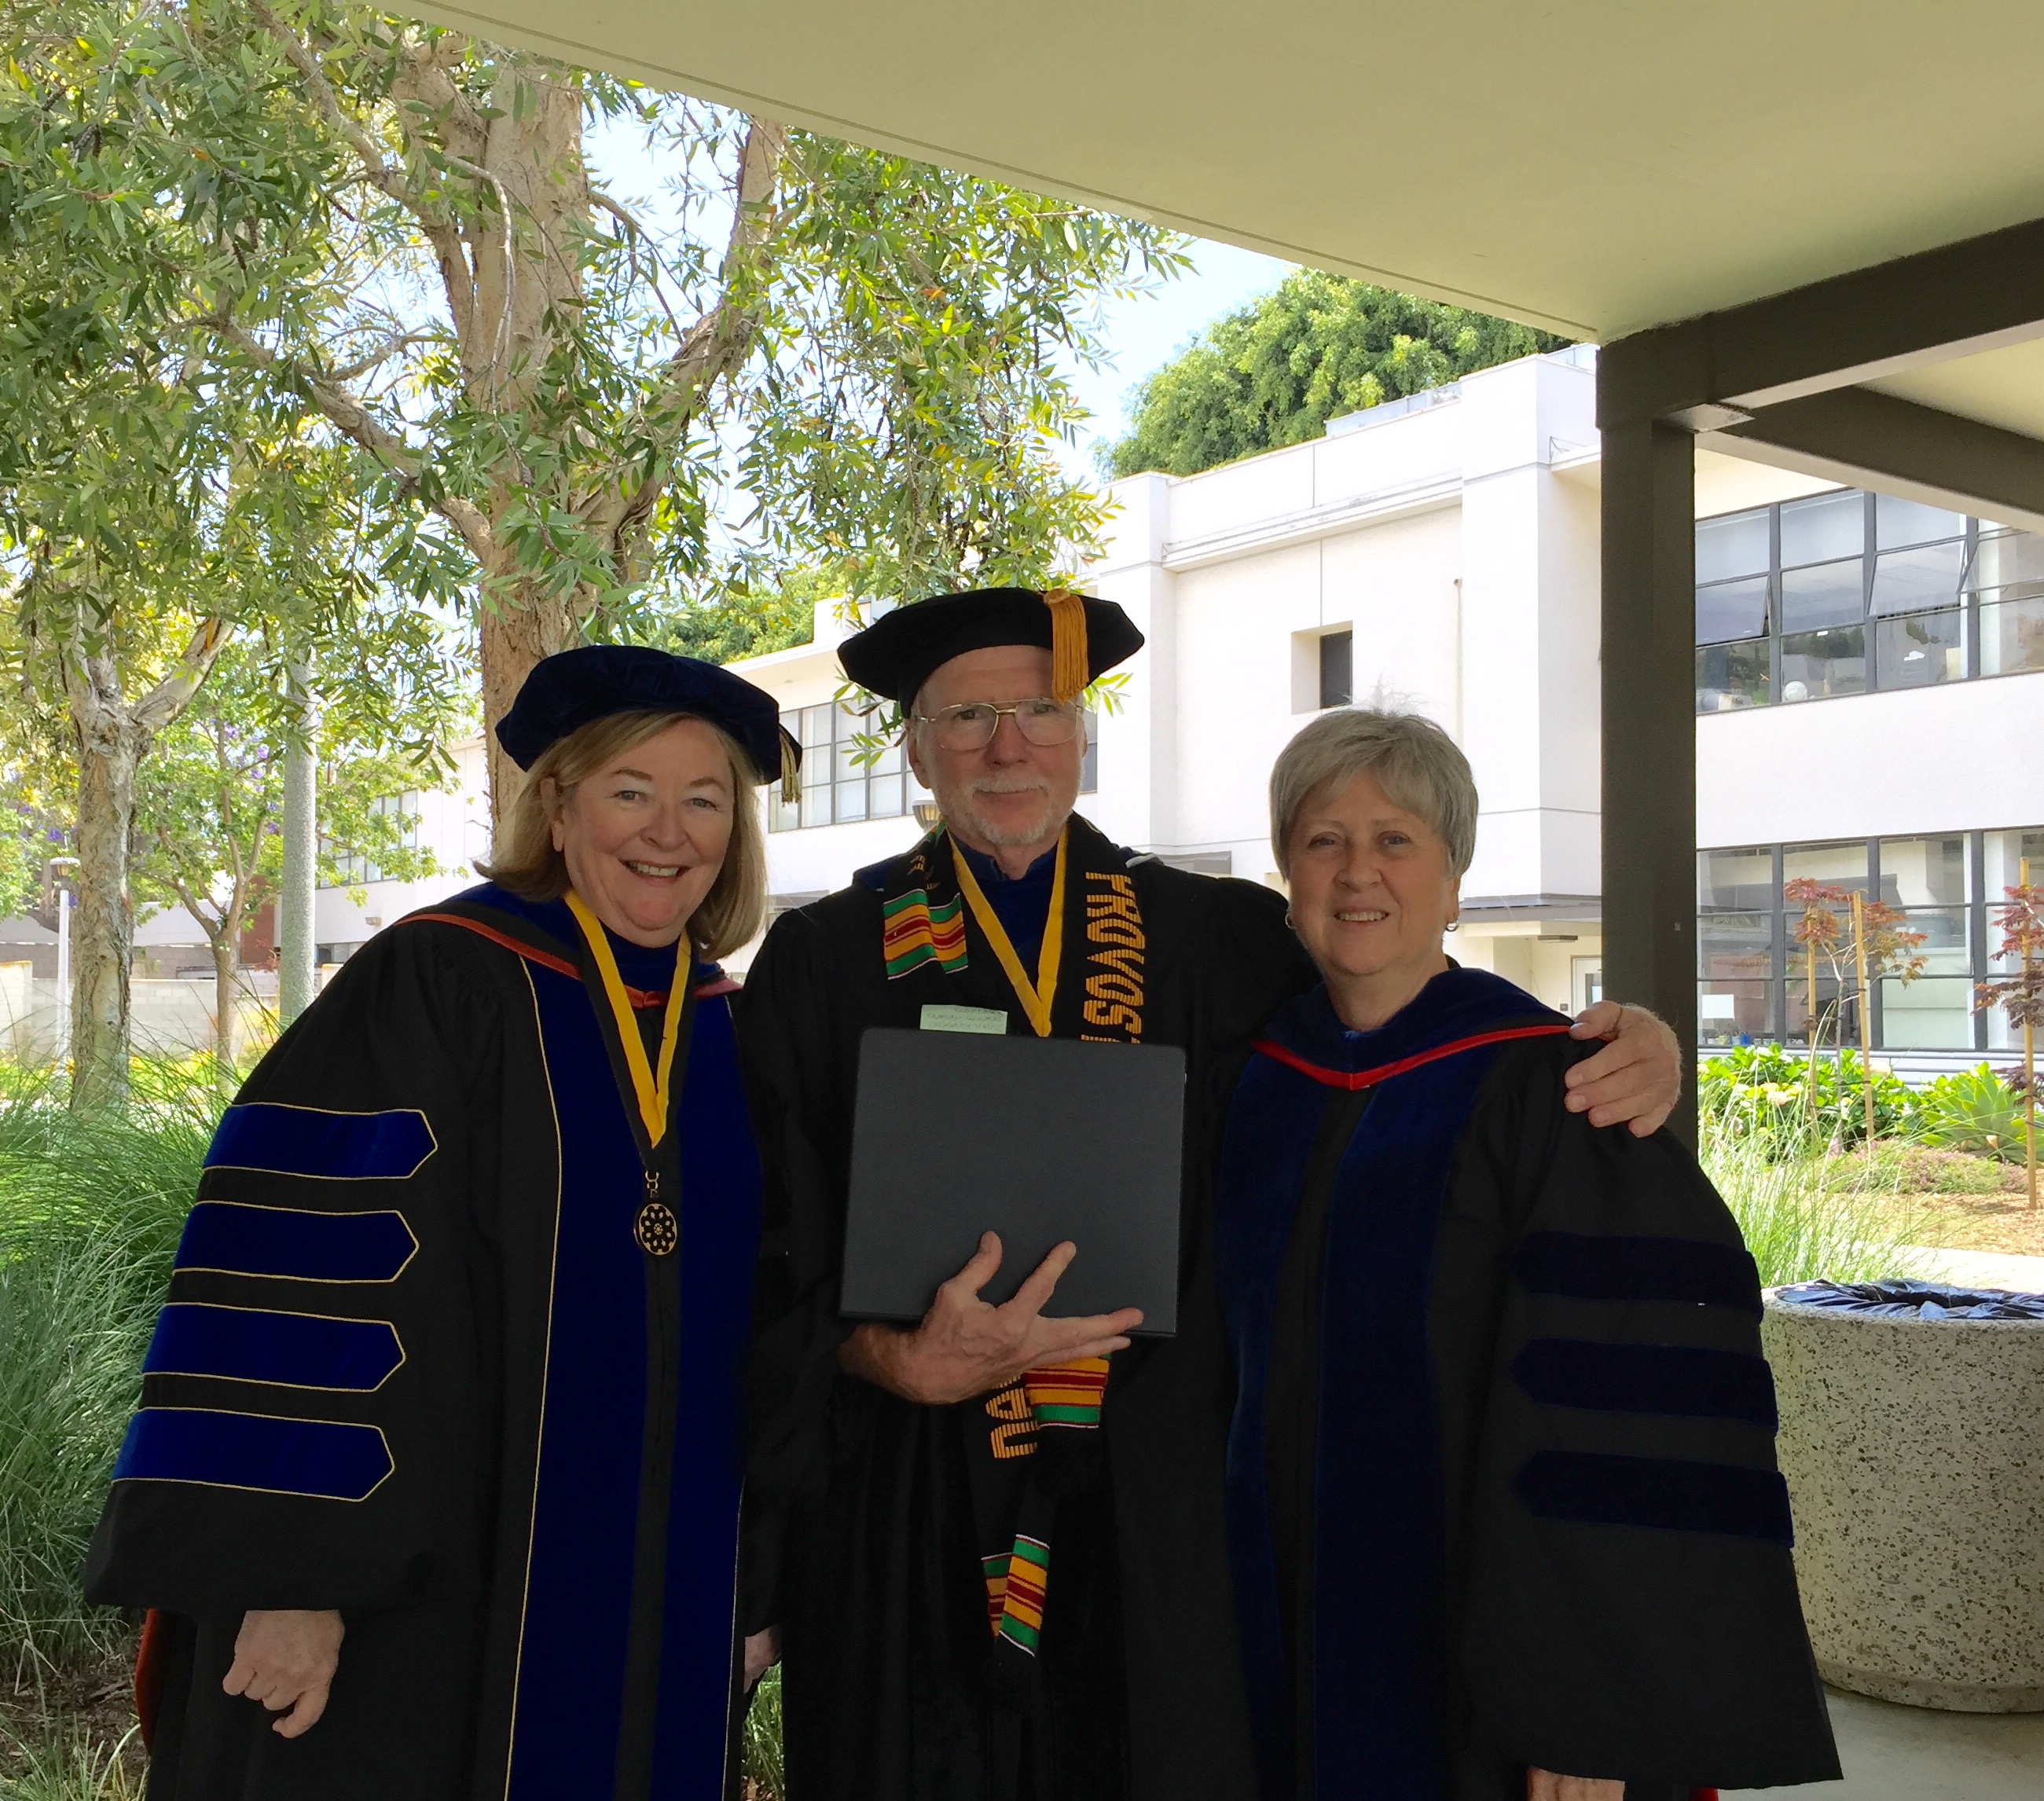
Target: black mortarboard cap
{"x": 576, "y": 688}
{"x": 896, "y": 653}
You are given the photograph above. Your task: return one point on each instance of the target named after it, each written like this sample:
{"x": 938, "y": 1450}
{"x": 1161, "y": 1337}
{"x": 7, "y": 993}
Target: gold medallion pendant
{"x": 656, "y": 1229}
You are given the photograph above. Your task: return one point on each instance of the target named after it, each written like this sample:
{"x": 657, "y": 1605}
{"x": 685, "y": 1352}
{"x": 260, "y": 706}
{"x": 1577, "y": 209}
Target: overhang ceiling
{"x": 1998, "y": 387}
{"x": 1596, "y": 167}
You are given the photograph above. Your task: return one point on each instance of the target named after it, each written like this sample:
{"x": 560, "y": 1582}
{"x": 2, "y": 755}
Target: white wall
{"x": 1529, "y": 632}
{"x": 1958, "y": 757}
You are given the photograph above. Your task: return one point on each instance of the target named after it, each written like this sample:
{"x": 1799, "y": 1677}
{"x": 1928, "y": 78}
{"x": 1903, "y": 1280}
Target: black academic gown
{"x": 417, "y": 1366}
{"x": 1501, "y": 1481}
{"x": 868, "y": 1554}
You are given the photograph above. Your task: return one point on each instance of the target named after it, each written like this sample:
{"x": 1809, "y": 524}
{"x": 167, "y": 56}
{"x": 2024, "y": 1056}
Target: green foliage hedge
{"x": 1273, "y": 372}
{"x": 1772, "y": 1093}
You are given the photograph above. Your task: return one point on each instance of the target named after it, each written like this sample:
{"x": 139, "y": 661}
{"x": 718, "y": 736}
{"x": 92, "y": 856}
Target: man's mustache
{"x": 1007, "y": 785}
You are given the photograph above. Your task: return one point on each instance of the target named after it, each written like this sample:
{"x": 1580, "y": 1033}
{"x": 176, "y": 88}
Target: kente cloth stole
{"x": 1037, "y": 1439}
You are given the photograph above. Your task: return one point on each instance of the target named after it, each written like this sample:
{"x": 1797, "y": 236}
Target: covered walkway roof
{"x": 1596, "y": 167}
{"x": 1808, "y": 233}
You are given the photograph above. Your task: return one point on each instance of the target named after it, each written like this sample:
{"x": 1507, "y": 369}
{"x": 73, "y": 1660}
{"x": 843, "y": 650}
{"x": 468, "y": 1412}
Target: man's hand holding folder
{"x": 965, "y": 1347}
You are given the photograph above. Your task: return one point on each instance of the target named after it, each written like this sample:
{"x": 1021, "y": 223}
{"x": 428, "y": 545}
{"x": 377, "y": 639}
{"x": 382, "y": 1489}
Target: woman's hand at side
{"x": 762, "y": 1651}
{"x": 1544, "y": 1785}
{"x": 286, "y": 1660}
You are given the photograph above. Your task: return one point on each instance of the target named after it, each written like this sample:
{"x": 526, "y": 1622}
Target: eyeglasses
{"x": 971, "y": 724}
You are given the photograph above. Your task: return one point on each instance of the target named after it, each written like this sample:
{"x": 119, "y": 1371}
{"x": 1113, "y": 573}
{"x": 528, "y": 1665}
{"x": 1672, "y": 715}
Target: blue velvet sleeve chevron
{"x": 286, "y": 1140}
{"x": 1621, "y": 1266}
{"x": 296, "y": 1350}
{"x": 319, "y": 1459}
{"x": 239, "y": 1238}
{"x": 1687, "y": 1380}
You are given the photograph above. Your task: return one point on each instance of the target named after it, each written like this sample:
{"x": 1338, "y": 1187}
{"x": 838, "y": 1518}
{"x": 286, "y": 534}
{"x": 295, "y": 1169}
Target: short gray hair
{"x": 1416, "y": 763}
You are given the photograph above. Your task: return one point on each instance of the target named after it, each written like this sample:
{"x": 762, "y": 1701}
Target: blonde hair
{"x": 529, "y": 865}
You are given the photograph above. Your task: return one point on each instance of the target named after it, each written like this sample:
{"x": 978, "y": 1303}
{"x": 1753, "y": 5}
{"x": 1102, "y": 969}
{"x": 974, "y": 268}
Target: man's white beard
{"x": 960, "y": 806}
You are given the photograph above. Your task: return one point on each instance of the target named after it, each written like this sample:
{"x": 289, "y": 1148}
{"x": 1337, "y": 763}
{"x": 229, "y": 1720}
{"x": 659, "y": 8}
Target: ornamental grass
{"x": 1801, "y": 1219}
{"x": 90, "y": 1208}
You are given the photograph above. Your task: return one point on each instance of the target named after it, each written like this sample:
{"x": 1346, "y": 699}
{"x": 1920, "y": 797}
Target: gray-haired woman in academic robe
{"x": 434, "y": 1489}
{"x": 1503, "y": 1510}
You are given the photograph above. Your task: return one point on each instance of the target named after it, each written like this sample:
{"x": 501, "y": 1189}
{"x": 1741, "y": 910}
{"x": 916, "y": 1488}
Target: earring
{"x": 1454, "y": 925}
{"x": 1290, "y": 923}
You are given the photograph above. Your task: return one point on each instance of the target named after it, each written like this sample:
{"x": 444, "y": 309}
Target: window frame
{"x": 1965, "y": 603}
{"x": 1976, "y": 934}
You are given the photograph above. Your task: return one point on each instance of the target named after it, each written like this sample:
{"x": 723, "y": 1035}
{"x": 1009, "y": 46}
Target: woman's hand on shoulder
{"x": 286, "y": 1659}
{"x": 1544, "y": 1785}
{"x": 1636, "y": 1079}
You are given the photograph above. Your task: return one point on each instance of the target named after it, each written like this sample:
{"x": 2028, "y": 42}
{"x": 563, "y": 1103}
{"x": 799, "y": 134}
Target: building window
{"x": 352, "y": 868}
{"x": 1753, "y": 979}
{"x": 2004, "y": 588}
{"x": 839, "y": 789}
{"x": 1337, "y": 669}
{"x": 1843, "y": 593}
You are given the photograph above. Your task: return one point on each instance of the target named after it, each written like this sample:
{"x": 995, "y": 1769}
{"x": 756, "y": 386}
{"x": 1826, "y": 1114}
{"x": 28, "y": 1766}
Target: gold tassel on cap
{"x": 791, "y": 770}
{"x": 1068, "y": 644}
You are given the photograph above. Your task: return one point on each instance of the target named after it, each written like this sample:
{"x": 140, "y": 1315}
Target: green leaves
{"x": 1274, "y": 373}
{"x": 1973, "y": 1110}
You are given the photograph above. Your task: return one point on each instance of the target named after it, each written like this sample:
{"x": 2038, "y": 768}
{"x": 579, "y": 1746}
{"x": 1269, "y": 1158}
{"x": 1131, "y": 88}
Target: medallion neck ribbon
{"x": 1037, "y": 997}
{"x": 652, "y": 1082}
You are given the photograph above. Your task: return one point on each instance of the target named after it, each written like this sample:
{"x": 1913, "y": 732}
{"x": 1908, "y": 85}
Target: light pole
{"x": 63, "y": 959}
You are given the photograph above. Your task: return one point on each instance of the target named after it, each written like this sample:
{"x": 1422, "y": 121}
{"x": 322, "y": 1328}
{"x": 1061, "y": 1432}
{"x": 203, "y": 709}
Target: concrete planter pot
{"x": 1914, "y": 1450}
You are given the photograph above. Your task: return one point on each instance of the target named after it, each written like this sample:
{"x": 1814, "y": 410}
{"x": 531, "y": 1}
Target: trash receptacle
{"x": 1913, "y": 1439}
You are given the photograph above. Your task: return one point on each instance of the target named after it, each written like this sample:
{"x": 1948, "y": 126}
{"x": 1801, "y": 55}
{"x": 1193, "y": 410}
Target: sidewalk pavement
{"x": 1987, "y": 1269}
{"x": 1892, "y": 1753}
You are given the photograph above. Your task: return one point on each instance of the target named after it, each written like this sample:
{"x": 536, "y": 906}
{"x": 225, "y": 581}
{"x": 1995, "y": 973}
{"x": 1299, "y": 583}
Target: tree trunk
{"x": 110, "y": 744}
{"x": 296, "y": 953}
{"x": 223, "y": 1005}
{"x": 514, "y": 637}
{"x": 527, "y": 280}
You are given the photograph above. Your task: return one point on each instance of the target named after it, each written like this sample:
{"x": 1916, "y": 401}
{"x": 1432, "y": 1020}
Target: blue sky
{"x": 1144, "y": 334}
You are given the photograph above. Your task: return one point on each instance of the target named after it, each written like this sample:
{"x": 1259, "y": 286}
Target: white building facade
{"x": 1870, "y": 692}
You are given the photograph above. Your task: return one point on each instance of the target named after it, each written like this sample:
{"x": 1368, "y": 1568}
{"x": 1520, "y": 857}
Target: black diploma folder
{"x": 1041, "y": 1140}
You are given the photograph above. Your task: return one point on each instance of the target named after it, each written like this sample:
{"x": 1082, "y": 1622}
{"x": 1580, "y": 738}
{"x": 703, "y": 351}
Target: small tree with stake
{"x": 1880, "y": 946}
{"x": 1819, "y": 928}
{"x": 2021, "y": 996}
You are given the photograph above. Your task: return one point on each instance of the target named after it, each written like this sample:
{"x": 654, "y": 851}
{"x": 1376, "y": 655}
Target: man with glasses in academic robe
{"x": 933, "y": 1649}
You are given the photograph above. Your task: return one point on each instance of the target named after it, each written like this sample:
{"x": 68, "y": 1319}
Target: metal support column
{"x": 1649, "y": 730}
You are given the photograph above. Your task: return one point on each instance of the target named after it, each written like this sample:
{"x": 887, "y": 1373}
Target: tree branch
{"x": 174, "y": 693}
{"x": 386, "y": 177}
{"x": 376, "y": 358}
{"x": 720, "y": 339}
{"x": 635, "y": 233}
{"x": 463, "y": 134}
{"x": 186, "y": 898}
{"x": 354, "y": 421}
